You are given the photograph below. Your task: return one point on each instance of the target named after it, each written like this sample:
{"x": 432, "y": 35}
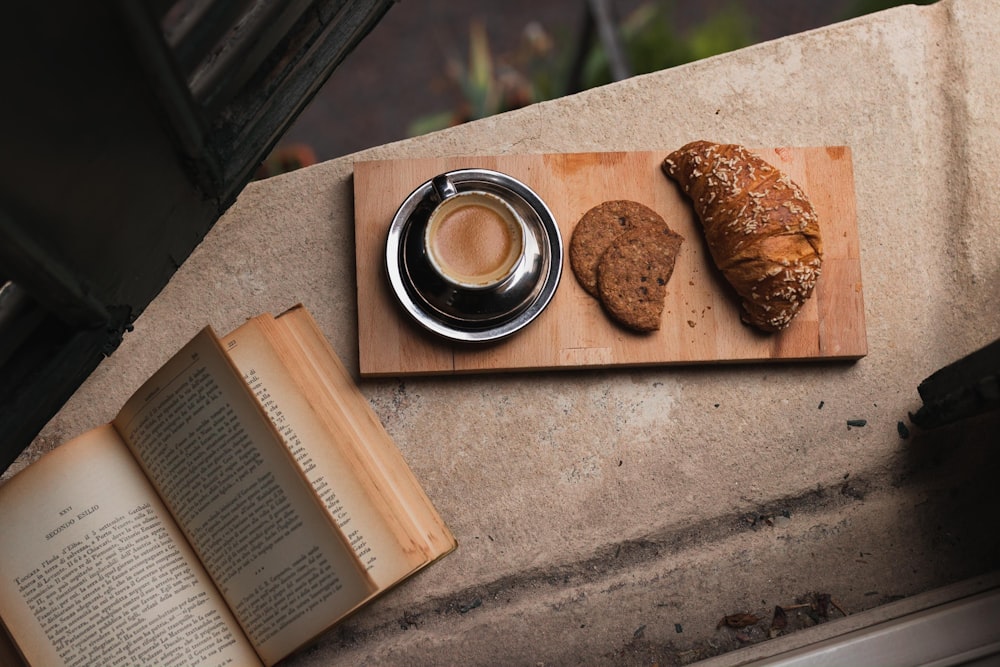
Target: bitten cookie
{"x": 597, "y": 229}
{"x": 632, "y": 275}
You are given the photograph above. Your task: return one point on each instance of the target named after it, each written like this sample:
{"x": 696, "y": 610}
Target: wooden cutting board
{"x": 701, "y": 322}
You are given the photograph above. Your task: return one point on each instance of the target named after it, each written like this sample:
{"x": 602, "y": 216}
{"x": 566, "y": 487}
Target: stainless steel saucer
{"x": 474, "y": 315}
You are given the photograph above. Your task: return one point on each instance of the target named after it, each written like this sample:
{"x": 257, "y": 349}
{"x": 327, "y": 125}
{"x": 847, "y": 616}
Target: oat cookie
{"x": 597, "y": 229}
{"x": 632, "y": 275}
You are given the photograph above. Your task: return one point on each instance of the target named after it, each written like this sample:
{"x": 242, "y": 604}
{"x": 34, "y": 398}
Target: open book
{"x": 243, "y": 501}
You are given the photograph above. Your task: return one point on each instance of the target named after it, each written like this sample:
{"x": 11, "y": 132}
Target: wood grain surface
{"x": 701, "y": 320}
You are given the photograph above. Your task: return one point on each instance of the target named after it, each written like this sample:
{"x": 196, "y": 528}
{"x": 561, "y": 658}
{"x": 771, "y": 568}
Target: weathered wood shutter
{"x": 126, "y": 130}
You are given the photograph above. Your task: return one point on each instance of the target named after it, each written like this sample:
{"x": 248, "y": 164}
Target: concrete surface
{"x": 614, "y": 517}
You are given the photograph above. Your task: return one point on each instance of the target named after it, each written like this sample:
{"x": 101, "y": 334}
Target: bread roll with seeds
{"x": 760, "y": 227}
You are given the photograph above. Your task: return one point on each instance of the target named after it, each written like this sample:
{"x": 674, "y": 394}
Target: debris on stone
{"x": 778, "y": 622}
{"x": 737, "y": 621}
{"x": 837, "y": 607}
{"x": 823, "y": 604}
{"x": 757, "y": 521}
{"x": 808, "y": 610}
{"x": 856, "y": 490}
{"x": 469, "y": 606}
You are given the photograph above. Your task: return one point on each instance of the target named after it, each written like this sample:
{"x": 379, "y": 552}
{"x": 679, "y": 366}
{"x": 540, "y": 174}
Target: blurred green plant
{"x": 539, "y": 69}
{"x": 651, "y": 42}
{"x": 488, "y": 85}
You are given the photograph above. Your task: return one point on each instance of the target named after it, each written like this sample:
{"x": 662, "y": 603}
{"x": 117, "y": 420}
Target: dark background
{"x": 400, "y": 71}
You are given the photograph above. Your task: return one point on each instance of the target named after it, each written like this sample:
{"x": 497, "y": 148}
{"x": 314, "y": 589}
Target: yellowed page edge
{"x": 340, "y": 481}
{"x": 378, "y": 446}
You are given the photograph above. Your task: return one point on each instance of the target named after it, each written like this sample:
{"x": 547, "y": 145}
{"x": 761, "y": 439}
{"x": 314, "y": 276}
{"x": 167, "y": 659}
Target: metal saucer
{"x": 468, "y": 315}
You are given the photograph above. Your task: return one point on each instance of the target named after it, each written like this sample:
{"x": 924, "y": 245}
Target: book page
{"x": 94, "y": 571}
{"x": 341, "y": 403}
{"x": 325, "y": 458}
{"x": 282, "y": 565}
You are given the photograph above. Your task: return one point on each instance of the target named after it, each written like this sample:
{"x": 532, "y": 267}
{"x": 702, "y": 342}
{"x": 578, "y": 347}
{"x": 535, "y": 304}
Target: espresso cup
{"x": 473, "y": 255}
{"x": 473, "y": 239}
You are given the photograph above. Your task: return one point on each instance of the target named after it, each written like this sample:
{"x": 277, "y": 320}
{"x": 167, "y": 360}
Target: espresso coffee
{"x": 474, "y": 239}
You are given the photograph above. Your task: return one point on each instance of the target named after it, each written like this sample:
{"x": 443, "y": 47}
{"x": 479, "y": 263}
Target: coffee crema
{"x": 474, "y": 240}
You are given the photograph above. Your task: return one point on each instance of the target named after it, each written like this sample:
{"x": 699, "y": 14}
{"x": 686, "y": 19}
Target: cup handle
{"x": 443, "y": 187}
